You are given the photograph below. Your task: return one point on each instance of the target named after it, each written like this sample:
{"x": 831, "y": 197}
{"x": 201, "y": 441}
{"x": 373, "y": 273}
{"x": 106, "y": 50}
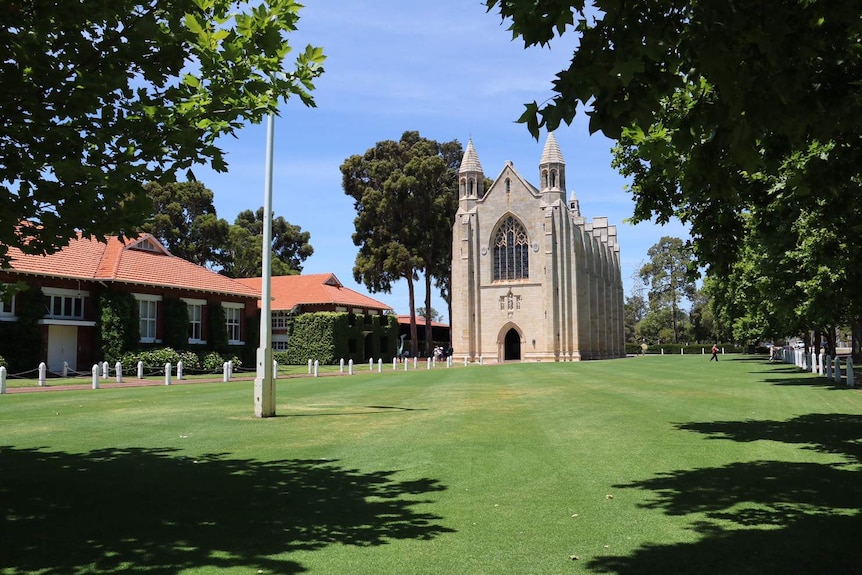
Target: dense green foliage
{"x": 21, "y": 341}
{"x": 329, "y": 337}
{"x": 155, "y": 360}
{"x": 176, "y": 323}
{"x": 102, "y": 97}
{"x": 290, "y": 246}
{"x": 405, "y": 195}
{"x": 185, "y": 222}
{"x": 217, "y": 329}
{"x": 117, "y": 326}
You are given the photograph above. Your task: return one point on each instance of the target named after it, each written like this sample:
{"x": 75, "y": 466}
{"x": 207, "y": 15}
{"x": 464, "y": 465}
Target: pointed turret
{"x": 471, "y": 179}
{"x": 552, "y": 171}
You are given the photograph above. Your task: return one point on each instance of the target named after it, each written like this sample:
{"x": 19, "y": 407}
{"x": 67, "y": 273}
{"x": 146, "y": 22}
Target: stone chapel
{"x": 532, "y": 279}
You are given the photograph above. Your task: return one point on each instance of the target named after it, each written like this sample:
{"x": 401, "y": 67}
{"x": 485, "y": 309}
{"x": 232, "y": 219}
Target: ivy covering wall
{"x": 117, "y": 326}
{"x": 21, "y": 341}
{"x": 328, "y": 337}
{"x": 176, "y": 324}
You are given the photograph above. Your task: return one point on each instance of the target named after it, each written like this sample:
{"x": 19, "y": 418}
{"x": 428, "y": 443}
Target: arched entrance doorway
{"x": 512, "y": 345}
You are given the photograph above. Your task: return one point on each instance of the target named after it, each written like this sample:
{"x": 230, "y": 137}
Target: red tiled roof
{"x": 120, "y": 261}
{"x": 405, "y": 320}
{"x": 313, "y": 289}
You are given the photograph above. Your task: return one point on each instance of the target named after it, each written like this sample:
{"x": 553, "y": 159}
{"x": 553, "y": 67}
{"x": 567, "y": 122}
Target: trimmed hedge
{"x": 329, "y": 337}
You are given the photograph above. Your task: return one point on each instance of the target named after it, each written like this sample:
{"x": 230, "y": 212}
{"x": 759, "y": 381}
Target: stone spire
{"x": 471, "y": 178}
{"x": 551, "y": 154}
{"x": 552, "y": 171}
{"x": 470, "y": 161}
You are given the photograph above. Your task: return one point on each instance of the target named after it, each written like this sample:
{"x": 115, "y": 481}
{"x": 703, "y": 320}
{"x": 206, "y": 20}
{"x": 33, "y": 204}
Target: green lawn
{"x": 656, "y": 465}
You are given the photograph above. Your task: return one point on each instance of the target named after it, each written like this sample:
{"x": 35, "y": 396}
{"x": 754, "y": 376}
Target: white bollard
{"x": 465, "y": 361}
{"x": 224, "y": 372}
{"x": 681, "y": 352}
{"x": 380, "y": 365}
{"x": 406, "y": 363}
{"x": 837, "y": 372}
{"x": 106, "y": 371}
{"x": 350, "y": 367}
{"x": 481, "y": 360}
{"x": 2, "y": 379}
{"x": 662, "y": 351}
{"x": 341, "y": 365}
{"x": 309, "y": 367}
{"x": 95, "y": 372}
{"x": 820, "y": 363}
{"x": 168, "y": 373}
{"x": 429, "y": 363}
{"x": 230, "y": 369}
{"x": 180, "y": 370}
{"x": 274, "y": 369}
{"x": 43, "y": 374}
{"x": 371, "y": 364}
{"x": 140, "y": 370}
{"x": 118, "y": 371}
{"x": 65, "y": 369}
{"x": 316, "y": 368}
{"x": 415, "y": 362}
{"x": 394, "y": 363}
{"x": 850, "y": 374}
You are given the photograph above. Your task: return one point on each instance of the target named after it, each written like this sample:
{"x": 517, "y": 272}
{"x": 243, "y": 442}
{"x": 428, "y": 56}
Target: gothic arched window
{"x": 511, "y": 251}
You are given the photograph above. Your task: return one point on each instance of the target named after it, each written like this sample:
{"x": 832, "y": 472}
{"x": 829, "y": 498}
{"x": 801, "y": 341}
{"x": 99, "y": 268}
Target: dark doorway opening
{"x": 512, "y": 345}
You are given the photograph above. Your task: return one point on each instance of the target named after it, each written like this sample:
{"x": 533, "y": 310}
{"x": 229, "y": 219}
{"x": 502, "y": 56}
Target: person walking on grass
{"x": 714, "y": 353}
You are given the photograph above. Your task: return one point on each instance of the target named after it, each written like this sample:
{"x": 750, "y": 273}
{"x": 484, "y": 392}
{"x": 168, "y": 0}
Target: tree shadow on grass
{"x": 761, "y": 516}
{"x": 154, "y": 509}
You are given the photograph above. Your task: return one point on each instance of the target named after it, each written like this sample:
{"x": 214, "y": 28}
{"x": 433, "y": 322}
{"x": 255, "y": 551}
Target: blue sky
{"x": 447, "y": 69}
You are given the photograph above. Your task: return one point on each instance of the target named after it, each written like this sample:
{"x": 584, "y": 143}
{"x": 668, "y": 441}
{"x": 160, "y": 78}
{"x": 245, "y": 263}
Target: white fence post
{"x": 2, "y": 379}
{"x": 43, "y": 373}
{"x": 224, "y": 372}
{"x": 105, "y": 370}
{"x": 350, "y": 367}
{"x": 180, "y": 370}
{"x": 341, "y": 365}
{"x": 850, "y": 374}
{"x": 168, "y": 373}
{"x": 380, "y": 365}
{"x": 118, "y": 369}
{"x": 140, "y": 370}
{"x": 316, "y": 368}
{"x": 95, "y": 374}
{"x": 65, "y": 369}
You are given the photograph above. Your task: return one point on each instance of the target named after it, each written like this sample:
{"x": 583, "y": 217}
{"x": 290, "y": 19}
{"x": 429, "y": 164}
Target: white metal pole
{"x": 264, "y": 386}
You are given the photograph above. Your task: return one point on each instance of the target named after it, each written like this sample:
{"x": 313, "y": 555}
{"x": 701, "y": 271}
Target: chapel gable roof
{"x": 510, "y": 171}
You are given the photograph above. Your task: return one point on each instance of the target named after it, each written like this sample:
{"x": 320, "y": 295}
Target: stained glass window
{"x": 511, "y": 251}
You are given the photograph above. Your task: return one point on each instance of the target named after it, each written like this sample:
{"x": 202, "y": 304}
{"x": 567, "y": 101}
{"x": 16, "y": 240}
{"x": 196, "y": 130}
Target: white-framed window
{"x": 279, "y": 342}
{"x": 63, "y": 303}
{"x": 196, "y": 314}
{"x": 148, "y": 314}
{"x": 7, "y": 307}
{"x": 279, "y": 319}
{"x": 233, "y": 321}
